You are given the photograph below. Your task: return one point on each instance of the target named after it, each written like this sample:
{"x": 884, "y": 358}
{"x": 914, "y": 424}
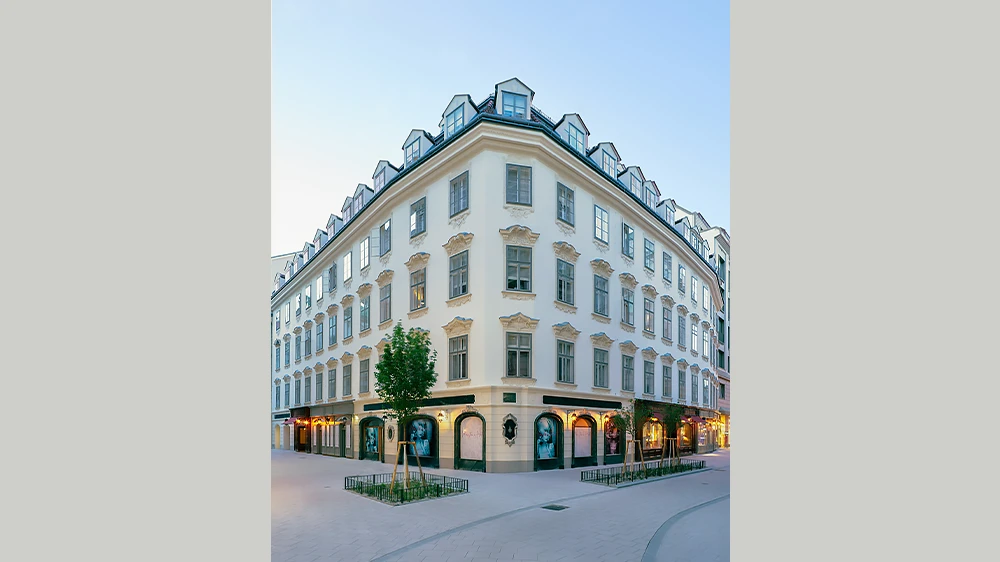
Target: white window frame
{"x": 602, "y": 224}
{"x": 454, "y": 122}
{"x": 412, "y": 152}
{"x": 513, "y": 98}
{"x": 576, "y": 138}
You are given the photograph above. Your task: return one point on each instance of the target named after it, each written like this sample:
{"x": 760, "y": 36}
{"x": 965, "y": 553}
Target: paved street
{"x": 685, "y": 518}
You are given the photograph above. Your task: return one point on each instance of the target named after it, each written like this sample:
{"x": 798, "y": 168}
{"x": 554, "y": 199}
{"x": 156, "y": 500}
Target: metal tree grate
{"x": 554, "y": 507}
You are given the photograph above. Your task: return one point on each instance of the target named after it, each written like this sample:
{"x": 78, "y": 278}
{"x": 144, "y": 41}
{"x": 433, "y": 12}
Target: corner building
{"x": 555, "y": 283}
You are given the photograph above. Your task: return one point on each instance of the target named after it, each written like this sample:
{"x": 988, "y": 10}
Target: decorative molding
{"x": 649, "y": 291}
{"x": 332, "y": 345}
{"x": 320, "y": 316}
{"x": 519, "y": 211}
{"x": 694, "y": 368}
{"x": 318, "y": 367}
{"x": 347, "y": 301}
{"x": 458, "y": 243}
{"x": 384, "y": 277}
{"x": 565, "y": 251}
{"x": 286, "y": 378}
{"x": 681, "y": 346}
{"x": 601, "y": 340}
{"x": 457, "y": 382}
{"x": 348, "y": 340}
{"x": 667, "y": 341}
{"x": 600, "y": 390}
{"x": 627, "y": 260}
{"x": 297, "y": 375}
{"x": 567, "y": 229}
{"x": 629, "y": 393}
{"x": 307, "y": 370}
{"x": 417, "y": 261}
{"x": 706, "y": 372}
{"x": 694, "y": 353}
{"x": 628, "y": 280}
{"x": 386, "y": 324}
{"x": 364, "y": 333}
{"x": 560, "y": 384}
{"x": 277, "y": 381}
{"x": 423, "y": 331}
{"x": 459, "y": 300}
{"x": 307, "y": 324}
{"x": 458, "y": 326}
{"x": 418, "y": 240}
{"x": 511, "y": 436}
{"x": 602, "y": 267}
{"x": 459, "y": 219}
{"x": 384, "y": 258}
{"x": 567, "y": 308}
{"x": 277, "y": 343}
{"x": 297, "y": 330}
{"x": 518, "y": 322}
{"x": 628, "y": 347}
{"x": 565, "y": 331}
{"x": 705, "y": 324}
{"x": 332, "y": 309}
{"x": 648, "y": 335}
{"x": 682, "y": 364}
{"x": 681, "y": 309}
{"x": 667, "y": 359}
{"x": 601, "y": 246}
{"x": 287, "y": 337}
{"x": 648, "y": 353}
{"x": 364, "y": 290}
{"x": 519, "y": 235}
{"x": 380, "y": 346}
{"x": 667, "y": 301}
{"x": 347, "y": 357}
{"x": 695, "y": 318}
{"x": 628, "y": 327}
{"x": 416, "y": 313}
{"x": 518, "y": 295}
{"x": 364, "y": 352}
{"x": 600, "y": 318}
{"x": 519, "y": 381}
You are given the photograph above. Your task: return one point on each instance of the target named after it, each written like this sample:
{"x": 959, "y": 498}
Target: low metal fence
{"x": 615, "y": 475}
{"x": 376, "y": 486}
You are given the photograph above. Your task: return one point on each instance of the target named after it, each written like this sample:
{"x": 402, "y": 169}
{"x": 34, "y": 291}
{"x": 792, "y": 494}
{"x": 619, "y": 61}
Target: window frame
{"x": 600, "y": 372}
{"x": 418, "y": 217}
{"x": 648, "y": 380}
{"x": 602, "y": 291}
{"x": 648, "y": 316}
{"x": 628, "y": 241}
{"x": 365, "y": 313}
{"x": 628, "y": 372}
{"x": 461, "y": 271}
{"x": 513, "y": 98}
{"x": 365, "y": 252}
{"x": 422, "y": 284}
{"x": 458, "y": 349}
{"x": 576, "y": 138}
{"x": 519, "y": 266}
{"x": 628, "y": 306}
{"x": 459, "y": 185}
{"x": 385, "y": 237}
{"x": 453, "y": 124}
{"x": 385, "y": 303}
{"x": 570, "y": 206}
{"x": 668, "y": 265}
{"x": 608, "y": 161}
{"x": 518, "y": 168}
{"x": 411, "y": 156}
{"x": 565, "y": 362}
{"x": 566, "y": 284}
{"x": 518, "y": 350}
{"x": 348, "y": 322}
{"x": 602, "y": 224}
{"x": 648, "y": 254}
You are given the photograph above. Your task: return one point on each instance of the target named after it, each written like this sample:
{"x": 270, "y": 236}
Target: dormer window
{"x": 412, "y": 152}
{"x": 608, "y": 164}
{"x": 575, "y": 138}
{"x": 356, "y": 206}
{"x": 515, "y": 105}
{"x": 670, "y": 216}
{"x": 379, "y": 181}
{"x": 454, "y": 121}
{"x": 648, "y": 197}
{"x": 635, "y": 185}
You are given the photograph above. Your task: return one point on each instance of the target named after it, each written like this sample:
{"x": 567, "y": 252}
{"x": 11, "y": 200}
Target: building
{"x": 554, "y": 280}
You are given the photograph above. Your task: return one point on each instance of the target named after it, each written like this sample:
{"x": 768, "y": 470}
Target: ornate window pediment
{"x": 681, "y": 309}
{"x": 417, "y": 261}
{"x": 364, "y": 352}
{"x": 332, "y": 363}
{"x": 649, "y": 291}
{"x": 707, "y": 325}
{"x": 667, "y": 359}
{"x": 518, "y": 322}
{"x": 364, "y": 290}
{"x": 277, "y": 343}
{"x": 628, "y": 280}
{"x": 332, "y": 309}
{"x": 565, "y": 251}
{"x": 602, "y": 267}
{"x": 628, "y": 347}
{"x": 682, "y": 364}
{"x": 706, "y": 372}
{"x": 649, "y": 354}
{"x": 695, "y": 368}
{"x": 286, "y": 378}
{"x": 695, "y": 318}
{"x": 307, "y": 371}
{"x": 287, "y": 337}
{"x": 318, "y": 366}
{"x": 458, "y": 326}
{"x": 458, "y": 243}
{"x": 380, "y": 346}
{"x": 319, "y": 317}
{"x": 384, "y": 278}
{"x": 297, "y": 330}
{"x": 667, "y": 301}
{"x": 519, "y": 235}
{"x": 347, "y": 300}
{"x": 297, "y": 374}
{"x": 347, "y": 357}
{"x": 277, "y": 381}
{"x": 565, "y": 331}
{"x": 307, "y": 324}
{"x": 601, "y": 340}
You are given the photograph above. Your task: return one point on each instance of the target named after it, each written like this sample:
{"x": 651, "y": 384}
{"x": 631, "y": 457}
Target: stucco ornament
{"x": 565, "y": 331}
{"x": 518, "y": 322}
{"x": 458, "y": 243}
{"x": 509, "y": 429}
{"x": 601, "y": 340}
{"x": 602, "y": 267}
{"x": 565, "y": 251}
{"x": 519, "y": 235}
{"x": 458, "y": 326}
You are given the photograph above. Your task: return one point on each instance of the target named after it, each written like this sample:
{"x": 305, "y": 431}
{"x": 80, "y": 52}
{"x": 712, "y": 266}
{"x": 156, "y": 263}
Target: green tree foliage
{"x": 405, "y": 373}
{"x": 630, "y": 418}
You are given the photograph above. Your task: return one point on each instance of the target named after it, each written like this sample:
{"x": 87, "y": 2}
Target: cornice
{"x": 565, "y": 331}
{"x": 307, "y": 370}
{"x": 565, "y": 251}
{"x": 458, "y": 326}
{"x": 277, "y": 381}
{"x": 318, "y": 367}
{"x": 458, "y": 243}
{"x": 347, "y": 301}
{"x": 286, "y": 378}
{"x": 384, "y": 277}
{"x": 649, "y": 291}
{"x": 347, "y": 357}
{"x": 681, "y": 309}
{"x": 628, "y": 280}
{"x": 519, "y": 235}
{"x": 417, "y": 261}
{"x": 518, "y": 322}
{"x": 695, "y": 318}
{"x": 364, "y": 290}
{"x": 364, "y": 352}
{"x": 307, "y": 324}
{"x": 682, "y": 364}
{"x": 602, "y": 267}
{"x": 320, "y": 316}
{"x": 297, "y": 330}
{"x": 648, "y": 353}
{"x": 667, "y": 359}
{"x": 380, "y": 346}
{"x": 667, "y": 301}
{"x": 332, "y": 309}
{"x": 297, "y": 375}
{"x": 332, "y": 363}
{"x": 601, "y": 340}
{"x": 628, "y": 347}
{"x": 287, "y": 337}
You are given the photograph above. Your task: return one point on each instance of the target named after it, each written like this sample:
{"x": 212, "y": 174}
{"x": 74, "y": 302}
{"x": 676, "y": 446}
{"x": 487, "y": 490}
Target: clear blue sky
{"x": 351, "y": 79}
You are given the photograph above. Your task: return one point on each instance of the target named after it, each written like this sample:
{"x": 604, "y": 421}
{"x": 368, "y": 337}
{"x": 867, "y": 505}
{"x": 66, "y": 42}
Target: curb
{"x": 658, "y": 478}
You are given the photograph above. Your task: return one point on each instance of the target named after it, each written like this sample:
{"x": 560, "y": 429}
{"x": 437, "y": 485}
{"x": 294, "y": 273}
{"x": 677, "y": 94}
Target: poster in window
{"x": 371, "y": 440}
{"x": 612, "y": 439}
{"x": 472, "y": 439}
{"x": 581, "y": 440}
{"x": 546, "y": 446}
{"x": 421, "y": 432}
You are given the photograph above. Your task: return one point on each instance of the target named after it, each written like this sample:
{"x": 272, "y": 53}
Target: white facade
{"x": 505, "y": 217}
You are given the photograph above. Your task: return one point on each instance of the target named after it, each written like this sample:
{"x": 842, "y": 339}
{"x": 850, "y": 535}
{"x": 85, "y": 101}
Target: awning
{"x": 289, "y": 421}
{"x": 697, "y": 419}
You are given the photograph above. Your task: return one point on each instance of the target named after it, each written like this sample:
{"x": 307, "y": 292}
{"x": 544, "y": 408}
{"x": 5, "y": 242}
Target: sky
{"x": 350, "y": 80}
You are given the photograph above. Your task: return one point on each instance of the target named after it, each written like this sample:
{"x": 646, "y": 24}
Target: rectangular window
{"x": 600, "y": 368}
{"x": 288, "y": 353}
{"x": 277, "y": 321}
{"x": 680, "y": 330}
{"x": 319, "y": 387}
{"x": 459, "y": 274}
{"x": 347, "y": 380}
{"x": 277, "y": 397}
{"x": 418, "y": 217}
{"x": 331, "y": 275}
{"x": 564, "y": 362}
{"x": 628, "y": 240}
{"x": 347, "y": 267}
{"x": 704, "y": 343}
{"x": 298, "y": 392}
{"x": 458, "y": 358}
{"x": 515, "y": 105}
{"x": 720, "y": 358}
{"x": 518, "y": 355}
{"x": 681, "y": 387}
{"x": 694, "y": 388}
{"x": 385, "y": 303}
{"x": 576, "y": 138}
{"x": 309, "y": 382}
{"x": 628, "y": 306}
{"x": 518, "y": 268}
{"x": 518, "y": 184}
{"x": 288, "y": 313}
{"x": 319, "y": 336}
{"x": 458, "y": 194}
{"x": 648, "y": 314}
{"x": 412, "y": 152}
{"x": 379, "y": 181}
{"x": 288, "y": 395}
{"x": 309, "y": 298}
{"x": 365, "y": 252}
{"x": 385, "y": 238}
{"x": 333, "y": 329}
{"x": 608, "y": 164}
{"x": 331, "y": 383}
{"x": 647, "y": 377}
{"x": 680, "y": 278}
{"x": 348, "y": 322}
{"x": 277, "y": 357}
{"x": 649, "y": 254}
{"x": 668, "y": 328}
{"x": 298, "y": 305}
{"x": 722, "y": 391}
{"x": 309, "y": 343}
{"x": 694, "y": 336}
{"x": 365, "y": 312}
{"x": 363, "y": 378}
{"x": 668, "y": 383}
{"x": 649, "y": 198}
{"x": 600, "y": 295}
{"x": 298, "y": 347}
{"x": 418, "y": 289}
{"x": 454, "y": 121}
{"x": 667, "y": 266}
{"x": 628, "y": 373}
{"x": 602, "y": 225}
{"x": 565, "y": 204}
{"x": 704, "y": 297}
{"x": 564, "y": 282}
{"x": 319, "y": 288}
{"x": 694, "y": 289}
{"x": 635, "y": 186}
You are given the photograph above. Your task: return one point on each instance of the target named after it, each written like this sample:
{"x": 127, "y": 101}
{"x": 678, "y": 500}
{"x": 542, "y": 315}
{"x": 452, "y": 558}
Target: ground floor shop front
{"x": 491, "y": 429}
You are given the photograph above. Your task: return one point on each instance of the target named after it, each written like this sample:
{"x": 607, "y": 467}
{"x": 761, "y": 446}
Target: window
{"x": 319, "y": 387}
{"x": 366, "y": 312}
{"x": 647, "y": 377}
{"x": 668, "y": 262}
{"x": 288, "y": 395}
{"x": 518, "y": 184}
{"x": 309, "y": 381}
{"x": 309, "y": 298}
{"x": 288, "y": 353}
{"x": 694, "y": 289}
{"x": 680, "y": 330}
{"x": 628, "y": 373}
{"x": 356, "y": 205}
{"x": 332, "y": 275}
{"x": 333, "y": 329}
{"x": 648, "y": 312}
{"x": 720, "y": 358}
{"x": 680, "y": 278}
{"x": 319, "y": 288}
{"x": 576, "y": 138}
{"x": 694, "y": 388}
{"x": 681, "y": 387}
{"x": 309, "y": 343}
{"x": 518, "y": 355}
{"x": 564, "y": 282}
{"x": 704, "y": 297}
{"x": 722, "y": 270}
{"x": 564, "y": 361}
{"x": 518, "y": 268}
{"x": 365, "y": 253}
{"x": 331, "y": 383}
{"x": 458, "y": 358}
{"x": 628, "y": 306}
{"x": 515, "y": 105}
{"x": 668, "y": 328}
{"x": 601, "y": 225}
{"x": 459, "y": 274}
{"x": 412, "y": 152}
{"x": 363, "y": 379}
{"x": 704, "y": 343}
{"x": 635, "y": 186}
{"x": 648, "y": 255}
{"x": 565, "y": 204}
{"x": 668, "y": 384}
{"x": 722, "y": 391}
{"x": 628, "y": 240}
{"x": 601, "y": 295}
{"x": 694, "y": 336}
{"x": 418, "y": 217}
{"x": 347, "y": 380}
{"x": 277, "y": 321}
{"x": 277, "y": 397}
{"x": 418, "y": 288}
{"x": 608, "y": 164}
{"x": 454, "y": 121}
{"x": 385, "y": 238}
{"x": 298, "y": 305}
{"x": 319, "y": 336}
{"x": 277, "y": 357}
{"x": 458, "y": 194}
{"x": 347, "y": 267}
{"x": 348, "y": 322}
{"x": 379, "y": 181}
{"x": 298, "y": 347}
{"x": 298, "y": 391}
{"x": 385, "y": 304}
{"x": 288, "y": 313}
{"x": 649, "y": 197}
{"x": 600, "y": 368}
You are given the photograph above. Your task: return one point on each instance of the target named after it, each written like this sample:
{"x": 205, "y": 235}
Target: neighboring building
{"x": 718, "y": 240}
{"x": 553, "y": 280}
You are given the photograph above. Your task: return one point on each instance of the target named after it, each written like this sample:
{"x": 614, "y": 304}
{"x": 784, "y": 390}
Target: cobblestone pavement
{"x": 314, "y": 518}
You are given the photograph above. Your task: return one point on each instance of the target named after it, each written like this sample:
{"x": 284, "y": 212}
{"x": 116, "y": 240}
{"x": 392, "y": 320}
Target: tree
{"x": 671, "y": 421}
{"x": 404, "y": 376}
{"x": 629, "y": 420}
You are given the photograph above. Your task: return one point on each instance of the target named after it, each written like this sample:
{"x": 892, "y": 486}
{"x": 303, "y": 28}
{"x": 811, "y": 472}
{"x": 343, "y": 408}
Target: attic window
{"x": 379, "y": 181}
{"x": 356, "y": 207}
{"x": 648, "y": 197}
{"x": 670, "y": 216}
{"x": 515, "y": 105}
{"x": 635, "y": 185}
{"x": 576, "y": 138}
{"x": 608, "y": 164}
{"x": 454, "y": 121}
{"x": 412, "y": 152}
